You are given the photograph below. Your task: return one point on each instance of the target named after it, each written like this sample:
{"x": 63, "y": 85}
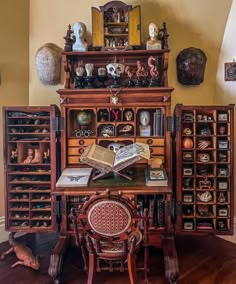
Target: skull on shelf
{"x": 115, "y": 69}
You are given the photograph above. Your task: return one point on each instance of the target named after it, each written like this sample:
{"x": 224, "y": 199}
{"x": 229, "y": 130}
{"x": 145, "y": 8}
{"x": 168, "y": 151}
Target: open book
{"x": 73, "y": 177}
{"x": 106, "y": 160}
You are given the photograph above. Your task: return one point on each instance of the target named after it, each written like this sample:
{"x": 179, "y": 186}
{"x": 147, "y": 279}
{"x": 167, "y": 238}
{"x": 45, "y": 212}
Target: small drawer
{"x": 157, "y": 150}
{"x": 75, "y": 150}
{"x": 151, "y": 141}
{"x": 74, "y": 160}
{"x": 80, "y": 142}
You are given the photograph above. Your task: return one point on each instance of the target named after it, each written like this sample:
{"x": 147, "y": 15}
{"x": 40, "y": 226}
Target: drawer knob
{"x": 81, "y": 142}
{"x": 81, "y": 150}
{"x": 149, "y": 141}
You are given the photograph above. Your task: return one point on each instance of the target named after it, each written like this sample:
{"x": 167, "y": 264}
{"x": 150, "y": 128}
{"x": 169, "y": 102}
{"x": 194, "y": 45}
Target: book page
{"x": 101, "y": 155}
{"x": 129, "y": 152}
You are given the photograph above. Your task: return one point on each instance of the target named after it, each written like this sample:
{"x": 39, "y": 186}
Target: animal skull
{"x": 115, "y": 146}
{"x": 115, "y": 69}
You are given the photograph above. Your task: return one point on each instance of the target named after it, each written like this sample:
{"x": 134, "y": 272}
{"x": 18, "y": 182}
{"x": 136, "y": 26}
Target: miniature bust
{"x": 80, "y": 43}
{"x": 145, "y": 127}
{"x": 79, "y": 71}
{"x": 89, "y": 69}
{"x": 153, "y": 42}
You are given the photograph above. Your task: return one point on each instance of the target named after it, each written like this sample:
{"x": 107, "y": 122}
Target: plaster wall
{"x": 189, "y": 22}
{"x": 226, "y": 90}
{"x": 14, "y": 64}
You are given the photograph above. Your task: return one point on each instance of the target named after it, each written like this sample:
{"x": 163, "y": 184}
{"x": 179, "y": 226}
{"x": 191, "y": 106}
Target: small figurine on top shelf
{"x": 80, "y": 43}
{"x": 69, "y": 39}
{"x": 153, "y": 42}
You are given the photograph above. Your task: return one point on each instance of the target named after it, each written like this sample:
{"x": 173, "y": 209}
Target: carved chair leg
{"x": 56, "y": 259}
{"x": 170, "y": 258}
{"x": 146, "y": 267}
{"x": 92, "y": 268}
{"x": 132, "y": 268}
{"x": 83, "y": 252}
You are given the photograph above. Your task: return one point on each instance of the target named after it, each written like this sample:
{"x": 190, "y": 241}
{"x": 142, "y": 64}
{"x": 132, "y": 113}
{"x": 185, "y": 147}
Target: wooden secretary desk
{"x": 195, "y": 146}
{"x": 77, "y": 99}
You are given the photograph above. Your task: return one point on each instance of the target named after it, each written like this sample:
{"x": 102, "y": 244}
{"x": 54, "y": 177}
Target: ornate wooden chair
{"x": 109, "y": 228}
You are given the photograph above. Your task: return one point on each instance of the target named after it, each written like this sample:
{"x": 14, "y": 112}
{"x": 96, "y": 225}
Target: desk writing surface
{"x": 114, "y": 181}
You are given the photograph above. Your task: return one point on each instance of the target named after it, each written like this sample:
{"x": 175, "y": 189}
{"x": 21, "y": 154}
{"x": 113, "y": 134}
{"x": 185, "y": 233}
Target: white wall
{"x": 226, "y": 90}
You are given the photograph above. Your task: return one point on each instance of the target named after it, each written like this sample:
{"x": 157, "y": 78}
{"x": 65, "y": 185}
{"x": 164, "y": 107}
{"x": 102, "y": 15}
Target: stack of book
{"x": 156, "y": 177}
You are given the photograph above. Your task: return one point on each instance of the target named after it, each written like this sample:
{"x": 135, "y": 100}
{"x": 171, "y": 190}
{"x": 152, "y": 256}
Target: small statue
{"x": 153, "y": 42}
{"x": 145, "y": 127}
{"x": 29, "y": 157}
{"x": 89, "y": 69}
{"x": 14, "y": 156}
{"x": 80, "y": 43}
{"x": 23, "y": 253}
{"x": 89, "y": 79}
{"x": 69, "y": 39}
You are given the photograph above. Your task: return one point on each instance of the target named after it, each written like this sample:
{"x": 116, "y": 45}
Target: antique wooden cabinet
{"x": 30, "y": 165}
{"x": 195, "y": 146}
{"x": 204, "y": 177}
{"x": 116, "y": 26}
{"x": 114, "y": 110}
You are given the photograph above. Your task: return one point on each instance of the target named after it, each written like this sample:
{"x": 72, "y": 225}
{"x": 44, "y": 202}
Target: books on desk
{"x": 106, "y": 160}
{"x": 156, "y": 177}
{"x": 73, "y": 177}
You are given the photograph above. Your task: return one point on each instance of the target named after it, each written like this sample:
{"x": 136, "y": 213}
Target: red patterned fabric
{"x": 109, "y": 218}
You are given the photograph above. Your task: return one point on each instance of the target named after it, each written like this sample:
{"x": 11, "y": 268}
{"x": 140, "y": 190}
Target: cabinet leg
{"x": 57, "y": 258}
{"x": 170, "y": 258}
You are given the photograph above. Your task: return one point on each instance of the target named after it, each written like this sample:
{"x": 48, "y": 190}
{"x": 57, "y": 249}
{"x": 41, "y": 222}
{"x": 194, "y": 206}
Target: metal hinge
{"x": 173, "y": 124}
{"x": 58, "y": 208}
{"x": 58, "y": 123}
{"x": 174, "y": 209}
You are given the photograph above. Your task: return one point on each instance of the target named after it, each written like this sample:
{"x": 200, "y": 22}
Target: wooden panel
{"x": 97, "y": 28}
{"x": 134, "y": 27}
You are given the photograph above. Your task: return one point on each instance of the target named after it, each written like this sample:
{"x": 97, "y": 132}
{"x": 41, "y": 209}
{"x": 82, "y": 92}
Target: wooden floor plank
{"x": 202, "y": 260}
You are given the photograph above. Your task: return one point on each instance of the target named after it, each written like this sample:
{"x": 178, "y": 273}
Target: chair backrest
{"x": 109, "y": 217}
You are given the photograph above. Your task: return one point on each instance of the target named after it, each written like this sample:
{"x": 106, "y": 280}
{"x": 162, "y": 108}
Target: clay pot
{"x": 187, "y": 143}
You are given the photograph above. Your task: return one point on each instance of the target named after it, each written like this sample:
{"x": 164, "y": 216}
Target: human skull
{"x": 203, "y": 157}
{"x": 115, "y": 69}
{"x": 115, "y": 146}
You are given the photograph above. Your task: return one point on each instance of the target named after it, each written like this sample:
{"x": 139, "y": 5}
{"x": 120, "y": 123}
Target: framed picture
{"x": 187, "y": 171}
{"x": 222, "y": 185}
{"x": 230, "y": 71}
{"x": 223, "y": 144}
{"x": 222, "y": 117}
{"x": 187, "y": 156}
{"x": 188, "y": 225}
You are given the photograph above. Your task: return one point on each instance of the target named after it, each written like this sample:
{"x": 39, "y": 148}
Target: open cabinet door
{"x": 97, "y": 27}
{"x": 30, "y": 140}
{"x": 204, "y": 169}
{"x": 134, "y": 27}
